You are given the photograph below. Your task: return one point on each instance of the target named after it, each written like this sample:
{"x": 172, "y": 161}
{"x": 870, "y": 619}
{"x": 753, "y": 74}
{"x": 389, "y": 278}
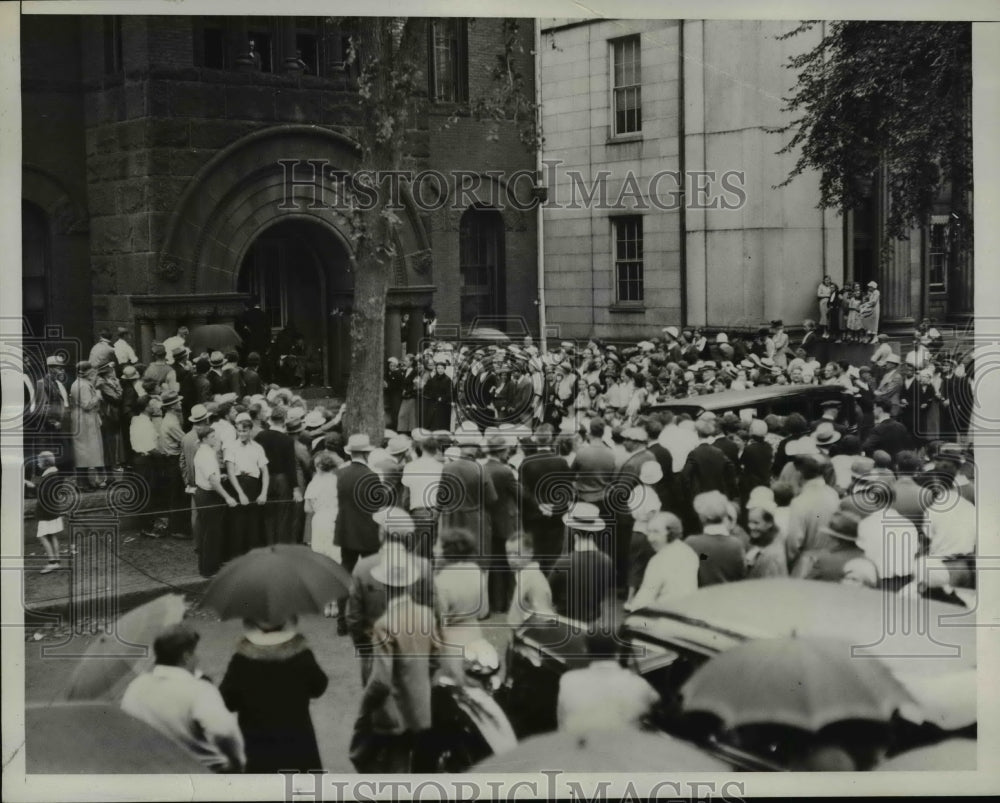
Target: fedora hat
{"x": 198, "y": 413}
{"x": 129, "y": 372}
{"x": 171, "y": 397}
{"x": 861, "y": 467}
{"x": 893, "y": 358}
{"x": 826, "y": 434}
{"x": 398, "y": 445}
{"x": 637, "y": 434}
{"x": 584, "y": 516}
{"x": 359, "y": 442}
{"x": 722, "y": 337}
{"x": 55, "y": 361}
{"x": 670, "y": 330}
{"x": 843, "y": 525}
{"x": 314, "y": 420}
{"x": 179, "y": 351}
{"x": 217, "y": 359}
{"x": 83, "y": 366}
{"x": 158, "y": 350}
{"x": 420, "y": 434}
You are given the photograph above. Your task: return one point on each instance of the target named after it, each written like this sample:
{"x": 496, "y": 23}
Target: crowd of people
{"x": 511, "y": 482}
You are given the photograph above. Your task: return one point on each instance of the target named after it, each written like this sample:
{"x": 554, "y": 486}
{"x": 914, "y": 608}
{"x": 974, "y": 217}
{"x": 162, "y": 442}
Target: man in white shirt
{"x": 176, "y": 701}
{"x": 673, "y": 570}
{"x": 124, "y": 353}
{"x": 180, "y": 339}
{"x": 951, "y": 524}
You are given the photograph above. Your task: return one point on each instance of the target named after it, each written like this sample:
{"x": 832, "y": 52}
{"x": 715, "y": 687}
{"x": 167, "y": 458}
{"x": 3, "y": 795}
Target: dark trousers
{"x": 500, "y": 580}
{"x": 246, "y": 529}
{"x": 211, "y": 531}
{"x": 279, "y": 514}
{"x": 147, "y": 468}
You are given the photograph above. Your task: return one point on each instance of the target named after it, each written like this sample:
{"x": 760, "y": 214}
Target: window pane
{"x": 628, "y": 259}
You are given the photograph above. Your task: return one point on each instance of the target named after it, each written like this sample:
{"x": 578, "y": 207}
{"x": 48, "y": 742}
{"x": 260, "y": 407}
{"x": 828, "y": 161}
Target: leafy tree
{"x": 391, "y": 52}
{"x": 892, "y": 95}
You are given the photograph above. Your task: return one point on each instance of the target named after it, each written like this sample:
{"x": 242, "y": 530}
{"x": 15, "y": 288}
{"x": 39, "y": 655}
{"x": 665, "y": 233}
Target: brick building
{"x": 644, "y": 98}
{"x": 156, "y": 157}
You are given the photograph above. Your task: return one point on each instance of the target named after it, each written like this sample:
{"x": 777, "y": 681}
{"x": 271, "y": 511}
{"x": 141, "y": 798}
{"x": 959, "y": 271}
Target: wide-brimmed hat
{"x": 650, "y": 472}
{"x": 314, "y": 420}
{"x": 55, "y": 361}
{"x": 584, "y": 516}
{"x": 843, "y": 525}
{"x": 872, "y": 284}
{"x": 398, "y": 445}
{"x": 893, "y": 357}
{"x": 420, "y": 434}
{"x": 722, "y": 337}
{"x": 171, "y": 397}
{"x": 801, "y": 447}
{"x": 826, "y": 434}
{"x": 129, "y": 372}
{"x": 671, "y": 330}
{"x": 396, "y": 568}
{"x": 293, "y": 426}
{"x": 198, "y": 413}
{"x": 179, "y": 351}
{"x": 359, "y": 442}
{"x": 216, "y": 359}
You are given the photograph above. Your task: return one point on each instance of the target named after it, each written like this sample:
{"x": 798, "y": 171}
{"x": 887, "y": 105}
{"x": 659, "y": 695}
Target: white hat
{"x": 893, "y": 357}
{"x": 393, "y": 517}
{"x": 671, "y": 330}
{"x": 637, "y": 434}
{"x": 722, "y": 337}
{"x": 650, "y": 472}
{"x": 760, "y": 495}
{"x": 802, "y": 446}
{"x": 584, "y": 516}
{"x": 397, "y": 568}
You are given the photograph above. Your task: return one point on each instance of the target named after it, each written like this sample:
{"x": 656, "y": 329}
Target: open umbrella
{"x": 620, "y": 750}
{"x": 213, "y": 337}
{"x": 273, "y": 583}
{"x": 952, "y": 754}
{"x": 113, "y": 659}
{"x": 98, "y": 738}
{"x": 802, "y": 683}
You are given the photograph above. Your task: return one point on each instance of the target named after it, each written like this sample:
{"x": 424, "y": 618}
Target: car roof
{"x": 732, "y": 399}
{"x": 903, "y": 632}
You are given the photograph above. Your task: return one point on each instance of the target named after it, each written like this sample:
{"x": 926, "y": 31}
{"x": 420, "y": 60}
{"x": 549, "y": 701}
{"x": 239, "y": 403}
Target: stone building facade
{"x": 657, "y": 98}
{"x": 174, "y": 165}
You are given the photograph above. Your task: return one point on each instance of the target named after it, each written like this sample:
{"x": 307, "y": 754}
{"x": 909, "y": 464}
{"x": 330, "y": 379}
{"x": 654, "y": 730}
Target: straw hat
{"x": 359, "y": 442}
{"x": 826, "y": 434}
{"x": 396, "y": 568}
{"x": 584, "y": 516}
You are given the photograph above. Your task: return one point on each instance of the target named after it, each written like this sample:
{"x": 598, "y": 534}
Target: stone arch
{"x": 66, "y": 213}
{"x": 243, "y": 190}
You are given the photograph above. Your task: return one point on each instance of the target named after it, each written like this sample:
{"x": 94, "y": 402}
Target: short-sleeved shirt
{"x": 247, "y": 458}
{"x": 206, "y": 463}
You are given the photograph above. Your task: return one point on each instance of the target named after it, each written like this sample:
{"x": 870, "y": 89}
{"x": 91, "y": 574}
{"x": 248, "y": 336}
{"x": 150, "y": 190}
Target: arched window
{"x": 34, "y": 267}
{"x": 481, "y": 260}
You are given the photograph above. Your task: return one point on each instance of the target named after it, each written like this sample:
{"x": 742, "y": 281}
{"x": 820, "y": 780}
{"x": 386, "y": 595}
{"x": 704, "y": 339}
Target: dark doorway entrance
{"x": 301, "y": 272}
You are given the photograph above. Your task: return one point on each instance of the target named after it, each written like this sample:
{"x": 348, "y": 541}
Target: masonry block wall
{"x": 578, "y": 126}
{"x": 139, "y": 117}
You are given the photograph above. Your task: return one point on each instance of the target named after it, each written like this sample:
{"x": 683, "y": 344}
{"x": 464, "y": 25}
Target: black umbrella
{"x": 213, "y": 337}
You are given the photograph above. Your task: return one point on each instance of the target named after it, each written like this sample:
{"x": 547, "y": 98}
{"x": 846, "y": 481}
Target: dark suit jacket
{"x": 202, "y": 389}
{"x": 49, "y": 401}
{"x": 357, "y": 500}
{"x": 728, "y": 448}
{"x": 475, "y": 496}
{"x": 540, "y": 484}
{"x": 755, "y": 465}
{"x": 888, "y": 435}
{"x": 665, "y": 487}
{"x": 504, "y": 514}
{"x": 708, "y": 469}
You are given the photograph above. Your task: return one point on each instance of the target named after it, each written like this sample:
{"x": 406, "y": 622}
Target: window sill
{"x": 622, "y": 139}
{"x": 628, "y": 306}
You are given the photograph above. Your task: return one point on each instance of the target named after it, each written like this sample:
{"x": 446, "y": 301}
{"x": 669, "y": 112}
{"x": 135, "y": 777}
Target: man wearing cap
{"x": 811, "y": 509}
{"x": 159, "y": 372}
{"x": 200, "y": 420}
{"x": 216, "y": 362}
{"x": 891, "y": 385}
{"x": 52, "y": 403}
{"x": 543, "y": 477}
{"x": 282, "y": 489}
{"x": 172, "y": 343}
{"x": 582, "y": 581}
{"x": 175, "y": 700}
{"x": 124, "y": 353}
{"x": 246, "y": 467}
{"x": 170, "y": 444}
{"x": 888, "y": 434}
{"x": 841, "y": 545}
{"x": 359, "y": 495}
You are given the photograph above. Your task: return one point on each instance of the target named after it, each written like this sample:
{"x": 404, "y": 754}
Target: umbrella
{"x": 98, "y": 738}
{"x": 952, "y": 754}
{"x": 802, "y": 683}
{"x": 114, "y": 659}
{"x": 273, "y": 583}
{"x": 488, "y": 333}
{"x": 213, "y": 337}
{"x": 624, "y": 750}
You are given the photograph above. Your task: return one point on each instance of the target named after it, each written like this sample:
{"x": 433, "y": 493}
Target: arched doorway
{"x": 301, "y": 272}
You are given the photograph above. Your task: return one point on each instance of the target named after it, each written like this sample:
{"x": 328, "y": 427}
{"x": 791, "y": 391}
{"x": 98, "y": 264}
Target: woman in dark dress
{"x": 269, "y": 683}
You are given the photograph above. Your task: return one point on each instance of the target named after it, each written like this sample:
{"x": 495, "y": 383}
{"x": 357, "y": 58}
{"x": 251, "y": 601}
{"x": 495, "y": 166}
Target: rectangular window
{"x": 448, "y": 65}
{"x": 112, "y": 44}
{"x": 626, "y": 83}
{"x": 937, "y": 255}
{"x": 214, "y": 48}
{"x": 628, "y": 259}
{"x": 263, "y": 52}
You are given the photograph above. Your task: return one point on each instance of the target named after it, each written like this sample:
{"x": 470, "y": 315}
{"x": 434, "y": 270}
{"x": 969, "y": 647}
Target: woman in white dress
{"x": 823, "y": 293}
{"x": 321, "y": 503}
{"x": 870, "y": 312}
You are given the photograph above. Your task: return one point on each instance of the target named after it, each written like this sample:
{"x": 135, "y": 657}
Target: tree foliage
{"x": 893, "y": 96}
